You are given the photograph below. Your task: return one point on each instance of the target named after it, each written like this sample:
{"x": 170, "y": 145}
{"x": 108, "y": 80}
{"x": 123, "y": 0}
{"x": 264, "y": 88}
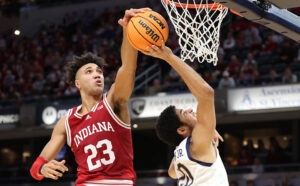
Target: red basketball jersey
{"x": 102, "y": 146}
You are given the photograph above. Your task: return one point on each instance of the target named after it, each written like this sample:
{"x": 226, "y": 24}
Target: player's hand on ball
{"x": 131, "y": 13}
{"x": 54, "y": 169}
{"x": 162, "y": 52}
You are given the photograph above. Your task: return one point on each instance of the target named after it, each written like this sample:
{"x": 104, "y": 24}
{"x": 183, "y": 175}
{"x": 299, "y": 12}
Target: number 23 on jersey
{"x": 94, "y": 151}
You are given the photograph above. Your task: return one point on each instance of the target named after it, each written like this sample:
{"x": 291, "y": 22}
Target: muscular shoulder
{"x": 60, "y": 126}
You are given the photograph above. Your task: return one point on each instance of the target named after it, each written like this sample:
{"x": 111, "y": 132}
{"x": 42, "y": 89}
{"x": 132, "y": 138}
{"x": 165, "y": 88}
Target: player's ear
{"x": 77, "y": 83}
{"x": 183, "y": 131}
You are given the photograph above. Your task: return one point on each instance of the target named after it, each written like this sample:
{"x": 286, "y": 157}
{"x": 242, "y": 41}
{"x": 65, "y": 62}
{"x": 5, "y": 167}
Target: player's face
{"x": 90, "y": 79}
{"x": 187, "y": 116}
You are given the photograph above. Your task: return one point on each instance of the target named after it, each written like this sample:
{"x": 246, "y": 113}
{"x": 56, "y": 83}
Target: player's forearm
{"x": 128, "y": 55}
{"x": 51, "y": 150}
{"x": 196, "y": 84}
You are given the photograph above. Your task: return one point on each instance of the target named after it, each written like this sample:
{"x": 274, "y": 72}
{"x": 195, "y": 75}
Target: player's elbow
{"x": 210, "y": 91}
{"x": 172, "y": 173}
{"x": 206, "y": 92}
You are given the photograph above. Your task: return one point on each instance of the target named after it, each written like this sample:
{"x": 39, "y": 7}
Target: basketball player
{"x": 98, "y": 131}
{"x": 196, "y": 159}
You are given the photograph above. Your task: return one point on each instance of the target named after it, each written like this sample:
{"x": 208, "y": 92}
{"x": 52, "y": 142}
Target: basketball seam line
{"x": 131, "y": 42}
{"x": 140, "y": 33}
{"x": 154, "y": 26}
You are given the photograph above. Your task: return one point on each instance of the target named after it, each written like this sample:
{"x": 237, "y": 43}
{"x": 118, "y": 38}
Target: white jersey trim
{"x": 76, "y": 114}
{"x": 79, "y": 107}
{"x": 94, "y": 107}
{"x": 114, "y": 116}
{"x": 67, "y": 126}
{"x": 109, "y": 182}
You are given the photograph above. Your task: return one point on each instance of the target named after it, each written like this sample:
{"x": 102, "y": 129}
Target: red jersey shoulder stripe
{"x": 67, "y": 126}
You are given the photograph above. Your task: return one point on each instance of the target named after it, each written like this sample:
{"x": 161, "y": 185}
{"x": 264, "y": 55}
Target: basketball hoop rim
{"x": 212, "y": 6}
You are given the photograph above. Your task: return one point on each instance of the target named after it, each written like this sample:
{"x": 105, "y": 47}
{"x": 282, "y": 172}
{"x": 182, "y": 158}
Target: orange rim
{"x": 213, "y": 6}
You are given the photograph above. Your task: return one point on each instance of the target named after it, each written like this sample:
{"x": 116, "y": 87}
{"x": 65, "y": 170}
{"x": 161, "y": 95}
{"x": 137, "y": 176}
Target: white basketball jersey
{"x": 191, "y": 172}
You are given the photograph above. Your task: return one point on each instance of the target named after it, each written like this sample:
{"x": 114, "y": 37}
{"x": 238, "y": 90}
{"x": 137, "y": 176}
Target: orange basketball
{"x": 146, "y": 29}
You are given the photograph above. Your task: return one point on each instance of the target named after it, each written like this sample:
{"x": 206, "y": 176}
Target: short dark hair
{"x": 80, "y": 61}
{"x": 166, "y": 126}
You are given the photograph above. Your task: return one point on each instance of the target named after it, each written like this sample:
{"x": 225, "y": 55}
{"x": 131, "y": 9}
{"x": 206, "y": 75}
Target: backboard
{"x": 270, "y": 13}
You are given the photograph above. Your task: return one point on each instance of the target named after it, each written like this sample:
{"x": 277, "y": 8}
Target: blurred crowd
{"x": 258, "y": 155}
{"x": 34, "y": 68}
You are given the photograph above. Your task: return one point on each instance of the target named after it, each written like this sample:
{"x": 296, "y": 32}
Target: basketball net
{"x": 198, "y": 27}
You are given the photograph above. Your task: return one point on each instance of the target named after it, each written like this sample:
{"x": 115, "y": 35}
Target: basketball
{"x": 146, "y": 29}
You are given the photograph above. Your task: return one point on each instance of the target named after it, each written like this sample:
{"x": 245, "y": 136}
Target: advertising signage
{"x": 262, "y": 98}
{"x": 49, "y": 114}
{"x": 9, "y": 117}
{"x": 152, "y": 106}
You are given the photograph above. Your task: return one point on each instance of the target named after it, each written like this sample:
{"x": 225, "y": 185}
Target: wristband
{"x": 35, "y": 169}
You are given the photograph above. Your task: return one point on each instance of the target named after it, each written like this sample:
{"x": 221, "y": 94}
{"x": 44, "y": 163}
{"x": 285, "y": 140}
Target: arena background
{"x": 257, "y": 94}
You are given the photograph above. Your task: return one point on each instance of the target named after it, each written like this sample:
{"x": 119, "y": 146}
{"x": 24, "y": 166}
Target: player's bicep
{"x": 203, "y": 132}
{"x": 124, "y": 84}
{"x": 57, "y": 141}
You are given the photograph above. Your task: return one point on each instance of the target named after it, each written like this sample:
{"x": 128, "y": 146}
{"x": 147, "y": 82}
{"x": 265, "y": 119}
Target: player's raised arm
{"x": 121, "y": 91}
{"x": 203, "y": 132}
{"x": 45, "y": 165}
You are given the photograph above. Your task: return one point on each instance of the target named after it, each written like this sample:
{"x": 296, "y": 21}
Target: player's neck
{"x": 88, "y": 102}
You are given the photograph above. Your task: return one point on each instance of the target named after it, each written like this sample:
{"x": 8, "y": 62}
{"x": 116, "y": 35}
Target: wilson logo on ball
{"x": 149, "y": 31}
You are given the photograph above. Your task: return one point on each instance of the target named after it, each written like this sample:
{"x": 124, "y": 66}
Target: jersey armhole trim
{"x": 113, "y": 115}
{"x": 191, "y": 158}
{"x": 68, "y": 131}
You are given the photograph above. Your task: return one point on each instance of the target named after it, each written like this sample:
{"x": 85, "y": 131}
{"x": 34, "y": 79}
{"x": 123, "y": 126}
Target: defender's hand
{"x": 131, "y": 13}
{"x": 50, "y": 169}
{"x": 162, "y": 52}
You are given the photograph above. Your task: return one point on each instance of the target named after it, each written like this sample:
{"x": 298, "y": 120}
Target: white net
{"x": 198, "y": 26}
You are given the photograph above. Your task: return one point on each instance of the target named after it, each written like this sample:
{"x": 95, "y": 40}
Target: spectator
{"x": 273, "y": 78}
{"x": 229, "y": 42}
{"x": 257, "y": 167}
{"x": 288, "y": 150}
{"x": 272, "y": 182}
{"x": 250, "y": 183}
{"x": 274, "y": 155}
{"x": 226, "y": 81}
{"x": 233, "y": 183}
{"x": 252, "y": 33}
{"x": 242, "y": 81}
{"x": 174, "y": 76}
{"x": 155, "y": 87}
{"x": 285, "y": 181}
{"x": 234, "y": 65}
{"x": 250, "y": 147}
{"x": 288, "y": 53}
{"x": 249, "y": 60}
{"x": 273, "y": 141}
{"x": 261, "y": 151}
{"x": 256, "y": 47}
{"x": 270, "y": 46}
{"x": 245, "y": 159}
{"x": 252, "y": 74}
{"x": 288, "y": 76}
